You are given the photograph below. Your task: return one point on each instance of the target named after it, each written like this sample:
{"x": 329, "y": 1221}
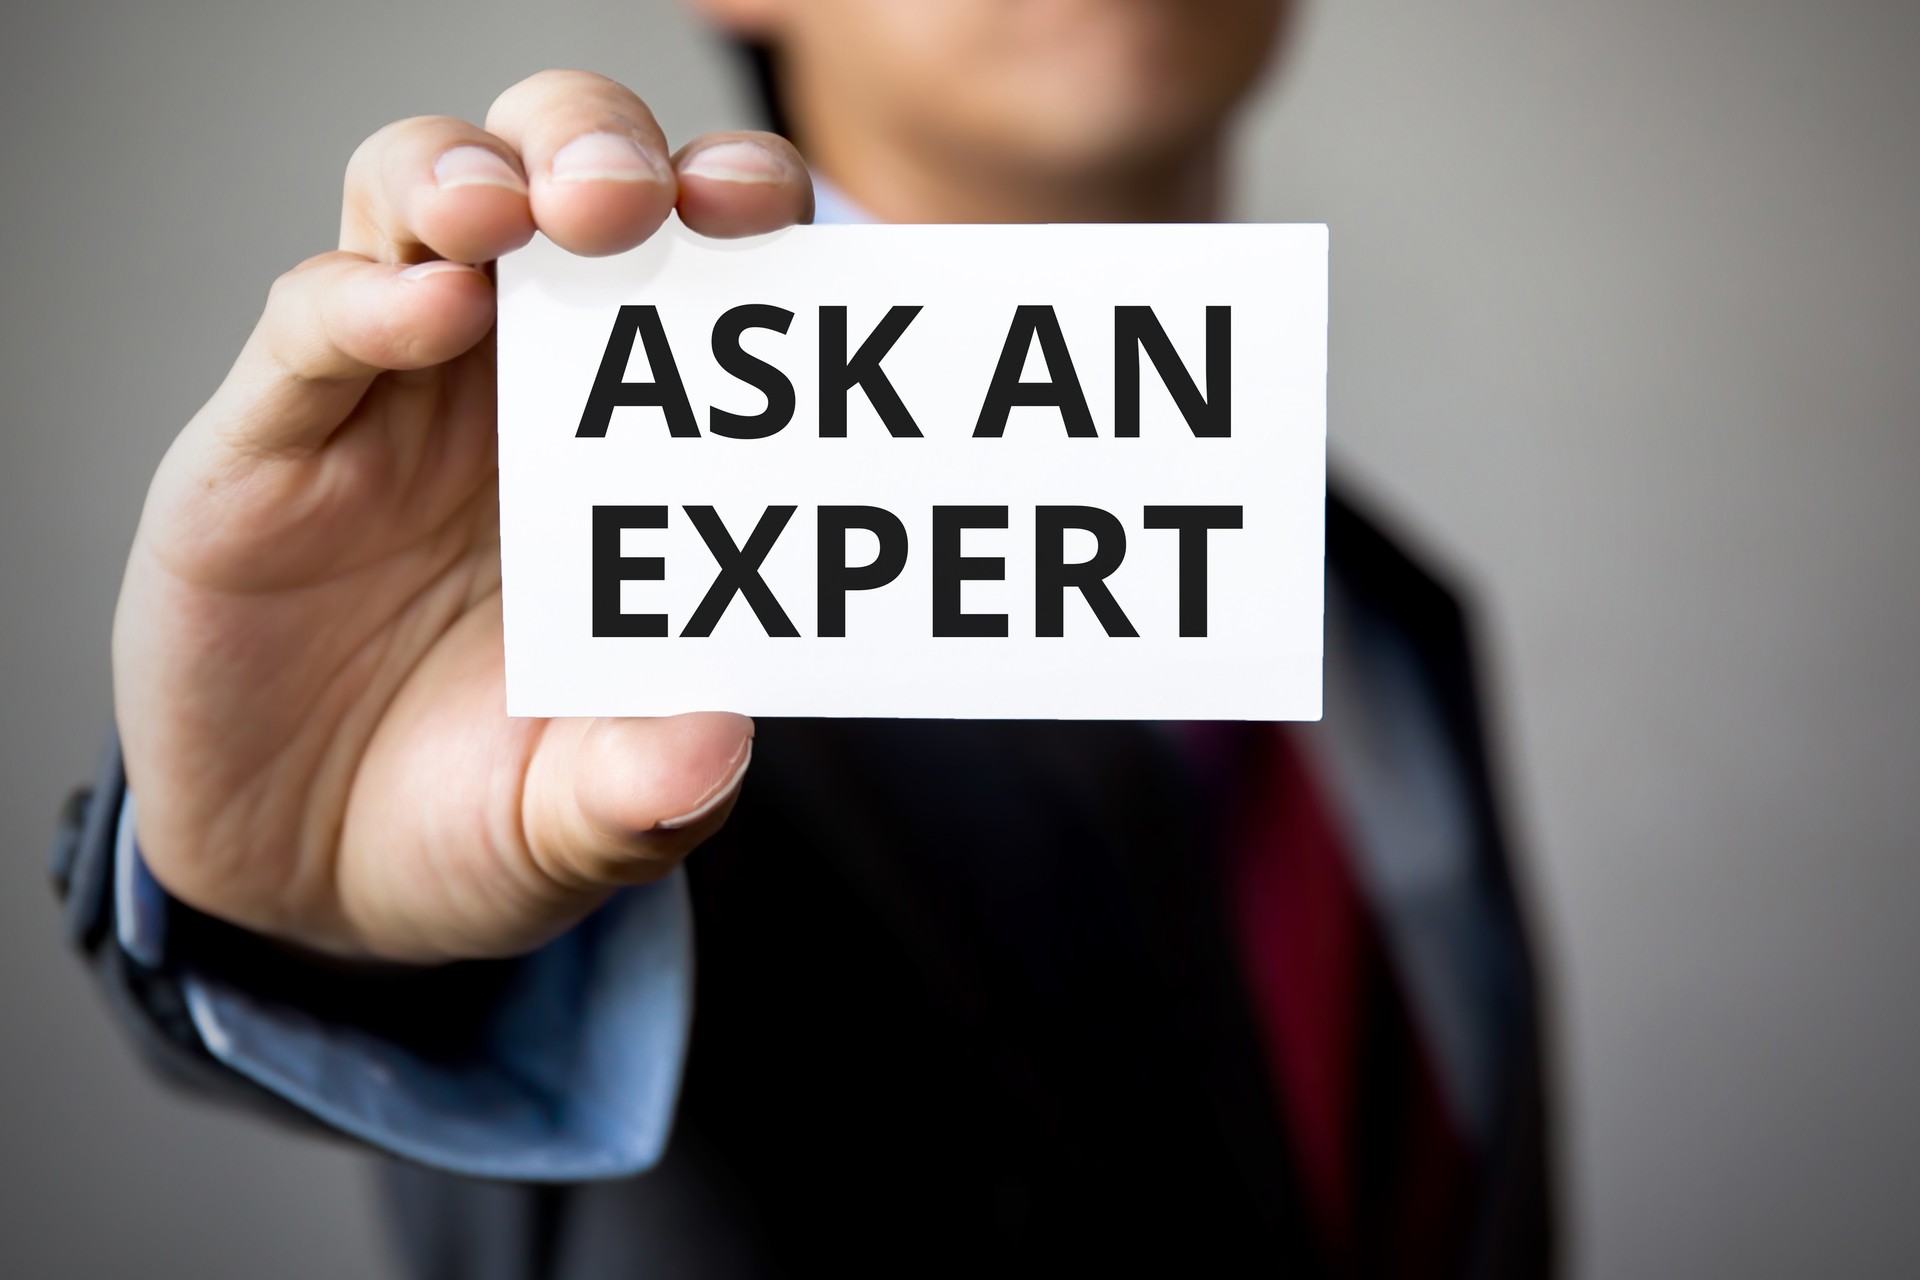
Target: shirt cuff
{"x": 571, "y": 1071}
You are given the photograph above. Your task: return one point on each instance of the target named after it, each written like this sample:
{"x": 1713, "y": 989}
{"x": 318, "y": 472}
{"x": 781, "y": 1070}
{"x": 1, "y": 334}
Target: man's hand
{"x": 307, "y": 653}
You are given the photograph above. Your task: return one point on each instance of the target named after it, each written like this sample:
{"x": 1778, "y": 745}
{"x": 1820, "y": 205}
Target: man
{"x": 1206, "y": 999}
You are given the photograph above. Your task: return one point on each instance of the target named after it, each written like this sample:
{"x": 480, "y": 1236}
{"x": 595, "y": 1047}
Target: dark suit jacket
{"x": 966, "y": 1003}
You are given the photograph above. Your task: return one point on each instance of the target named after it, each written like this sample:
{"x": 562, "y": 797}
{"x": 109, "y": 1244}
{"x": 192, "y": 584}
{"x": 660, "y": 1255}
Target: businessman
{"x": 972, "y": 997}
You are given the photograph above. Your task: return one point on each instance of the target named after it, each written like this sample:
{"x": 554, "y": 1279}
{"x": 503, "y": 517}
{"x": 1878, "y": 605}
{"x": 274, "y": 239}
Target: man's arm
{"x": 562, "y": 1065}
{"x": 388, "y": 908}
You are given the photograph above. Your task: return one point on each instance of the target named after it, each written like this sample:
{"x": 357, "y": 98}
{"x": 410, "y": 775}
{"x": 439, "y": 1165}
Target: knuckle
{"x": 365, "y": 162}
{"x": 297, "y": 279}
{"x": 574, "y": 80}
{"x": 365, "y": 156}
{"x": 280, "y": 294}
{"x": 436, "y": 124}
{"x": 555, "y": 83}
{"x": 283, "y": 285}
{"x": 536, "y": 85}
{"x": 294, "y": 332}
{"x": 286, "y": 285}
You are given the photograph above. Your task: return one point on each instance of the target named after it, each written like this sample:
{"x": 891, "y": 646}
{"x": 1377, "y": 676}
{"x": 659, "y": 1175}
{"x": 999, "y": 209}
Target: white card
{"x": 1086, "y": 479}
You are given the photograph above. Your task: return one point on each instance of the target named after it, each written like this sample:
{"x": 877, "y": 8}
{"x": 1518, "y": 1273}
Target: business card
{"x": 1043, "y": 472}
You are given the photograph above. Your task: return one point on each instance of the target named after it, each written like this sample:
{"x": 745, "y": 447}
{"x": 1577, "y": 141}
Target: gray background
{"x": 1626, "y": 321}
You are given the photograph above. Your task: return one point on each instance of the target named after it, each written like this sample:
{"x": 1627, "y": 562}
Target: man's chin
{"x": 1121, "y": 144}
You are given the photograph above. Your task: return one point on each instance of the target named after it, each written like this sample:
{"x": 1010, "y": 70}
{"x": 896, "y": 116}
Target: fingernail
{"x": 438, "y": 267}
{"x": 475, "y": 167}
{"x": 715, "y": 798}
{"x": 607, "y": 157}
{"x": 737, "y": 162}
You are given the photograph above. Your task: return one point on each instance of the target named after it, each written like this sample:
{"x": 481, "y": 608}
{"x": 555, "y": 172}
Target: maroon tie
{"x": 1382, "y": 1164}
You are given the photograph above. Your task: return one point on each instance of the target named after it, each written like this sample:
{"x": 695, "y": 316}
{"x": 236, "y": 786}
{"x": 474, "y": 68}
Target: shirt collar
{"x": 832, "y": 207}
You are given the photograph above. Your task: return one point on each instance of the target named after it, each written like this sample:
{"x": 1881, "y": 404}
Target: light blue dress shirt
{"x": 573, "y": 1076}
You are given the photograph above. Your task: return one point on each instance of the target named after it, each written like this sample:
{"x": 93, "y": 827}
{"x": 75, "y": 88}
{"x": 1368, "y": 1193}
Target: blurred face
{"x": 1063, "y": 85}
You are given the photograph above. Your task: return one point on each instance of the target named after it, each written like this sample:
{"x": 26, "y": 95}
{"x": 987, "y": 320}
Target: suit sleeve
{"x": 561, "y": 1066}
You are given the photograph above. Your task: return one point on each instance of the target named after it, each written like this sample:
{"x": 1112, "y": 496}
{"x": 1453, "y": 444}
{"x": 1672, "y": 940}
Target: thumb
{"x": 618, "y": 802}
